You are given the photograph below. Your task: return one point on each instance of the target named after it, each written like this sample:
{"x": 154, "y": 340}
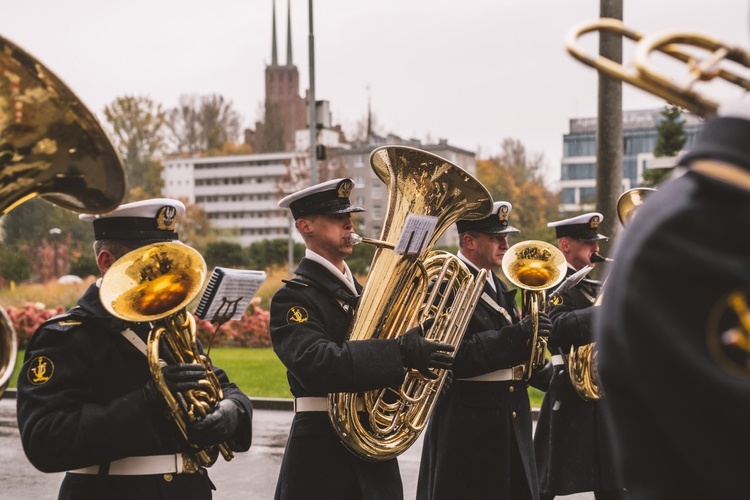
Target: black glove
{"x": 179, "y": 377}
{"x": 523, "y": 327}
{"x": 218, "y": 426}
{"x": 446, "y": 384}
{"x": 421, "y": 354}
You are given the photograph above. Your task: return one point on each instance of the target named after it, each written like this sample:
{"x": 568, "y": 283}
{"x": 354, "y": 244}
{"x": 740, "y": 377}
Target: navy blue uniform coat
{"x": 573, "y": 448}
{"x": 681, "y": 418}
{"x": 479, "y": 436}
{"x": 92, "y": 411}
{"x": 310, "y": 318}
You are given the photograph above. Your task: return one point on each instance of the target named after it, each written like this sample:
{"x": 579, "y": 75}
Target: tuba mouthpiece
{"x": 353, "y": 239}
{"x": 600, "y": 258}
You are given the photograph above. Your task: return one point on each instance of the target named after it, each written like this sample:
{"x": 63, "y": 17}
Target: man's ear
{"x": 468, "y": 241}
{"x": 304, "y": 226}
{"x": 564, "y": 245}
{"x": 104, "y": 260}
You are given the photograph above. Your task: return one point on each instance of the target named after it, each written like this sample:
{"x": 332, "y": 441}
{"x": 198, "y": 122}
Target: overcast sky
{"x": 471, "y": 71}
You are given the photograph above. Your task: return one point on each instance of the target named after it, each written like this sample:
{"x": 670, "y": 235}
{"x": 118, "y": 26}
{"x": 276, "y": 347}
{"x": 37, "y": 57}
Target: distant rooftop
{"x": 631, "y": 120}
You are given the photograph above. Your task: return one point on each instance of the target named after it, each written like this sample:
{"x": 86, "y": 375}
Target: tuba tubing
{"x": 397, "y": 296}
{"x": 643, "y": 74}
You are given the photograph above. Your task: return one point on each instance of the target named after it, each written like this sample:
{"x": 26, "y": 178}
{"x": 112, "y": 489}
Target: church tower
{"x": 285, "y": 110}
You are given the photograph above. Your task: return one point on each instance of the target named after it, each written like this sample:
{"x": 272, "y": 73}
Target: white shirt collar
{"x": 490, "y": 279}
{"x": 345, "y": 277}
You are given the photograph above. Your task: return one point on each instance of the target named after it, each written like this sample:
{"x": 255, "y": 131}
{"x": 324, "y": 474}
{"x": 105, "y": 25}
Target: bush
{"x": 15, "y": 264}
{"x": 252, "y": 330}
{"x": 28, "y": 318}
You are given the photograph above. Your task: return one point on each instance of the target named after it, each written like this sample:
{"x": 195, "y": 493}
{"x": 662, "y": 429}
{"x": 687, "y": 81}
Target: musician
{"x": 87, "y": 403}
{"x": 478, "y": 443}
{"x": 672, "y": 329}
{"x": 310, "y": 316}
{"x": 573, "y": 450}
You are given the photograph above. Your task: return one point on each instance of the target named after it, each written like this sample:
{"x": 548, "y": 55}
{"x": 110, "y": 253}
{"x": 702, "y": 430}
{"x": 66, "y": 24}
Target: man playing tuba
{"x": 87, "y": 403}
{"x": 310, "y": 316}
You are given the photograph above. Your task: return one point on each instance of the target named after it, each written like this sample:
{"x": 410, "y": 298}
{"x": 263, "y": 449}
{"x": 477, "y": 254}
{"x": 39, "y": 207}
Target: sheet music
{"x": 228, "y": 293}
{"x": 416, "y": 235}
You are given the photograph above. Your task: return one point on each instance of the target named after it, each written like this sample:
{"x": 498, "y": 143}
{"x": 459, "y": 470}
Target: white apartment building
{"x": 240, "y": 194}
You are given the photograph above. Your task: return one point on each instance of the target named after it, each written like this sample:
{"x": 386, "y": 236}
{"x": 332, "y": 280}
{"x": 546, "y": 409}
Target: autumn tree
{"x": 516, "y": 175}
{"x": 205, "y": 124}
{"x": 138, "y": 128}
{"x": 671, "y": 138}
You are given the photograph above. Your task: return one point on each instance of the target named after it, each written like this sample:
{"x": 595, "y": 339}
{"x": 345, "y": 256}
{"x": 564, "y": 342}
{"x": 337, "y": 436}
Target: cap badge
{"x": 166, "y": 218}
{"x": 40, "y": 370}
{"x": 594, "y": 222}
{"x": 344, "y": 188}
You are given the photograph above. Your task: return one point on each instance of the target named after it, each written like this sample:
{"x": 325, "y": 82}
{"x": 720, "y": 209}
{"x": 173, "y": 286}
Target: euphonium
{"x": 534, "y": 267}
{"x": 396, "y": 296}
{"x": 155, "y": 283}
{"x": 50, "y": 146}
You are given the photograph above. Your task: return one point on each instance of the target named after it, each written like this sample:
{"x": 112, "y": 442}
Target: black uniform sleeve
{"x": 571, "y": 326}
{"x": 488, "y": 351}
{"x": 63, "y": 424}
{"x": 320, "y": 364}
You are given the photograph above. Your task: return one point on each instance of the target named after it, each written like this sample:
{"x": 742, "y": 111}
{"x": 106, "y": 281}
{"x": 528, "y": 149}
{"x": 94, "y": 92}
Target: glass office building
{"x": 578, "y": 168}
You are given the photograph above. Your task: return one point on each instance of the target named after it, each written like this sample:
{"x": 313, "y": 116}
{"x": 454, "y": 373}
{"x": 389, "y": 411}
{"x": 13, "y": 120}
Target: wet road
{"x": 249, "y": 476}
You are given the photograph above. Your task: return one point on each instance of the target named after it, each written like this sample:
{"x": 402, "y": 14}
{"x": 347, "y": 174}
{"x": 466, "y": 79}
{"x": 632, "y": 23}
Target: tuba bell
{"x": 50, "y": 146}
{"x": 155, "y": 283}
{"x": 397, "y": 296}
{"x": 629, "y": 201}
{"x": 534, "y": 267}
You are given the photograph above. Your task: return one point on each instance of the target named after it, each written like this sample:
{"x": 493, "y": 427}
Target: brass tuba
{"x": 50, "y": 146}
{"x": 396, "y": 296}
{"x": 684, "y": 47}
{"x": 155, "y": 283}
{"x": 629, "y": 201}
{"x": 534, "y": 267}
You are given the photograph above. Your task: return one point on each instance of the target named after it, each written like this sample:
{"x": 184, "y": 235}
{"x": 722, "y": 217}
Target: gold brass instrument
{"x": 681, "y": 46}
{"x": 583, "y": 372}
{"x": 534, "y": 267}
{"x": 155, "y": 283}
{"x": 629, "y": 201}
{"x": 50, "y": 146}
{"x": 396, "y": 296}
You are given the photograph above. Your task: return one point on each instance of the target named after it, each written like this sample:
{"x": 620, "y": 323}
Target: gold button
{"x": 168, "y": 477}
{"x": 514, "y": 414}
{"x": 511, "y": 388}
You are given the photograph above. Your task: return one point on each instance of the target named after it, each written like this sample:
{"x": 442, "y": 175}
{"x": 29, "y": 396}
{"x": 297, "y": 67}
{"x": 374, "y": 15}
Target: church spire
{"x": 289, "y": 33}
{"x": 274, "y": 59}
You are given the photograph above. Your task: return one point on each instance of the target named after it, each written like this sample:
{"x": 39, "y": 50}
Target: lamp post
{"x": 312, "y": 120}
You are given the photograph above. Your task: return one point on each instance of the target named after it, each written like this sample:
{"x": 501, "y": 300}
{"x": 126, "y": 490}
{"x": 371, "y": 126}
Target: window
{"x": 588, "y": 195}
{"x": 568, "y": 196}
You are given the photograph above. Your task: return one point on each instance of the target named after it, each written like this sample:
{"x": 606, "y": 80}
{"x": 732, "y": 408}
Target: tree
{"x": 194, "y": 227}
{"x": 138, "y": 127}
{"x": 273, "y": 128}
{"x": 671, "y": 138}
{"x": 208, "y": 124}
{"x": 265, "y": 253}
{"x": 226, "y": 254}
{"x": 515, "y": 175}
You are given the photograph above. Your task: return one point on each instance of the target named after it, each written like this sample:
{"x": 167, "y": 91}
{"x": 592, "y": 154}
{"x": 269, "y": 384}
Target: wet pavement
{"x": 249, "y": 476}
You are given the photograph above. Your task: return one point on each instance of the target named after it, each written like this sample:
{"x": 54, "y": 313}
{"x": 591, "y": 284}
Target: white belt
{"x": 504, "y": 375}
{"x": 176, "y": 463}
{"x": 317, "y": 404}
{"x": 557, "y": 360}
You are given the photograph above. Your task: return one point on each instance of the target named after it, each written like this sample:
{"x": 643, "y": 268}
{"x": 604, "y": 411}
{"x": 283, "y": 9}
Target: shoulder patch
{"x": 296, "y": 314}
{"x": 64, "y": 325}
{"x": 40, "y": 370}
